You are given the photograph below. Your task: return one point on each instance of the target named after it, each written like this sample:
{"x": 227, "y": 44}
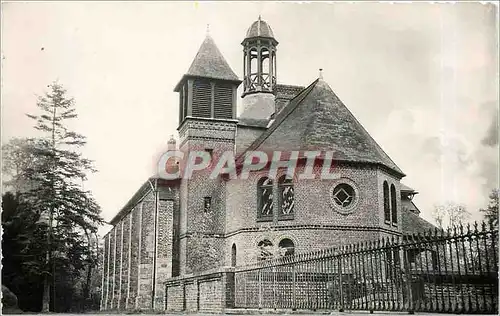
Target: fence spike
{"x": 461, "y": 229}
{"x": 483, "y": 226}
{"x": 475, "y": 227}
{"x": 468, "y": 228}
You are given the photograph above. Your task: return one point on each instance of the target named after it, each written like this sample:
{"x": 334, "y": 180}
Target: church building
{"x": 184, "y": 226}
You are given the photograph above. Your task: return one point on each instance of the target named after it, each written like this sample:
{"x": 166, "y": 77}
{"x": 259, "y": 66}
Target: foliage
{"x": 491, "y": 211}
{"x": 60, "y": 217}
{"x": 450, "y": 214}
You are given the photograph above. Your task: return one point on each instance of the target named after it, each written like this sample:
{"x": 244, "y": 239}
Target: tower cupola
{"x": 259, "y": 49}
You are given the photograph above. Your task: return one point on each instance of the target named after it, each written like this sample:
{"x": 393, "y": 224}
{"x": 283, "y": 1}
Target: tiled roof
{"x": 210, "y": 63}
{"x": 413, "y": 224}
{"x": 316, "y": 119}
{"x": 406, "y": 188}
{"x": 409, "y": 205}
{"x": 259, "y": 28}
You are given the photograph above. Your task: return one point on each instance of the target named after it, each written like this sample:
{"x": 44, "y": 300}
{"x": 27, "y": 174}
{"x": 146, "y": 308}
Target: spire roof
{"x": 317, "y": 120}
{"x": 210, "y": 63}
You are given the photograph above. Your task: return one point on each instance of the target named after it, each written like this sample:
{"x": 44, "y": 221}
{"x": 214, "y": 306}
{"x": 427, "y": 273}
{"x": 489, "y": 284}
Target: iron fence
{"x": 450, "y": 271}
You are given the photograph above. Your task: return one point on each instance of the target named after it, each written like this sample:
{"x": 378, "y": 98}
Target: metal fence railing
{"x": 453, "y": 271}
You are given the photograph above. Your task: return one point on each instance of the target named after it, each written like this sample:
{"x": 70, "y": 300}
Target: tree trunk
{"x": 46, "y": 294}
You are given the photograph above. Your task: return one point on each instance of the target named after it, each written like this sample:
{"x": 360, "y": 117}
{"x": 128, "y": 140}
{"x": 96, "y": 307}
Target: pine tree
{"x": 71, "y": 212}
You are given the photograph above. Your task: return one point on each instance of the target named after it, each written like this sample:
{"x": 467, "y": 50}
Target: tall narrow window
{"x": 387, "y": 207}
{"x": 265, "y": 198}
{"x": 286, "y": 197}
{"x": 394, "y": 207}
{"x": 287, "y": 247}
{"x": 233, "y": 255}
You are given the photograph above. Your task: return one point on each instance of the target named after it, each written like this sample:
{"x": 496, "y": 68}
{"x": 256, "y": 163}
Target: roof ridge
{"x": 282, "y": 115}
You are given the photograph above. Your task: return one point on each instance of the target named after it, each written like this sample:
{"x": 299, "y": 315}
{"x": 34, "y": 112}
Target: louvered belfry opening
{"x": 223, "y": 101}
{"x": 207, "y": 98}
{"x": 202, "y": 98}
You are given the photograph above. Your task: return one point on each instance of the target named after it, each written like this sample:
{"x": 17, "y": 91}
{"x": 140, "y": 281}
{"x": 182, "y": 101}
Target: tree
{"x": 56, "y": 191}
{"x": 491, "y": 211}
{"x": 450, "y": 214}
{"x": 23, "y": 251}
{"x": 17, "y": 159}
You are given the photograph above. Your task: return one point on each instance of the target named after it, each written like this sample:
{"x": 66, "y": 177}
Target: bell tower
{"x": 259, "y": 71}
{"x": 207, "y": 111}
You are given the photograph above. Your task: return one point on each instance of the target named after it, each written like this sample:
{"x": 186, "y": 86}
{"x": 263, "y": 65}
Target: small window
{"x": 265, "y": 198}
{"x": 207, "y": 204}
{"x": 233, "y": 255}
{"x": 287, "y": 247}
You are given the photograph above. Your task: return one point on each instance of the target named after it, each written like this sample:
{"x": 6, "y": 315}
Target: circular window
{"x": 344, "y": 196}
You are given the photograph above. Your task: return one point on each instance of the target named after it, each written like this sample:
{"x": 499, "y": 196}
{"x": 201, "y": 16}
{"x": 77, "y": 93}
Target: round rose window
{"x": 343, "y": 195}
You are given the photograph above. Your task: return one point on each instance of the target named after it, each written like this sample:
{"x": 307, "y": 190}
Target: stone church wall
{"x": 381, "y": 177}
{"x": 138, "y": 254}
{"x": 312, "y": 201}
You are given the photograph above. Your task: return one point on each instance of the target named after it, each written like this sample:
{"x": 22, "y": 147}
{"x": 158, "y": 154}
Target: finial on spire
{"x": 259, "y": 17}
{"x": 321, "y": 73}
{"x": 208, "y": 29}
{"x": 172, "y": 139}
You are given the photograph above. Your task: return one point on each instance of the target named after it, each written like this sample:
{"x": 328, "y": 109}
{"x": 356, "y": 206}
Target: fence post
{"x": 407, "y": 277}
{"x": 260, "y": 288}
{"x": 341, "y": 284}
{"x": 293, "y": 288}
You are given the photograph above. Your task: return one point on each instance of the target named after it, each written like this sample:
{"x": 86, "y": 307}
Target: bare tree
{"x": 450, "y": 214}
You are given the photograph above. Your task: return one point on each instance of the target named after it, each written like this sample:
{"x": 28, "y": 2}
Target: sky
{"x": 421, "y": 78}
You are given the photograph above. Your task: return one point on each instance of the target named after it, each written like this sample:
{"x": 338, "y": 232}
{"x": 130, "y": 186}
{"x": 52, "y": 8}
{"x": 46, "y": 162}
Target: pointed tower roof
{"x": 316, "y": 119}
{"x": 210, "y": 63}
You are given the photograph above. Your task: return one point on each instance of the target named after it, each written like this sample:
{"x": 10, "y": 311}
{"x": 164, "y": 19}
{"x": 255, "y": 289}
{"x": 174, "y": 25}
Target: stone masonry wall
{"x": 138, "y": 254}
{"x": 111, "y": 273}
{"x": 164, "y": 250}
{"x": 218, "y": 136}
{"x": 117, "y": 270}
{"x": 312, "y": 201}
{"x": 125, "y": 261}
{"x": 134, "y": 255}
{"x": 146, "y": 254}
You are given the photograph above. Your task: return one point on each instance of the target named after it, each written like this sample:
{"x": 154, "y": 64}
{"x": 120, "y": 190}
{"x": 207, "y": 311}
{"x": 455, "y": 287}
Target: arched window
{"x": 233, "y": 255}
{"x": 387, "y": 207}
{"x": 286, "y": 196}
{"x": 394, "y": 208}
{"x": 265, "y": 249}
{"x": 265, "y": 198}
{"x": 287, "y": 247}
